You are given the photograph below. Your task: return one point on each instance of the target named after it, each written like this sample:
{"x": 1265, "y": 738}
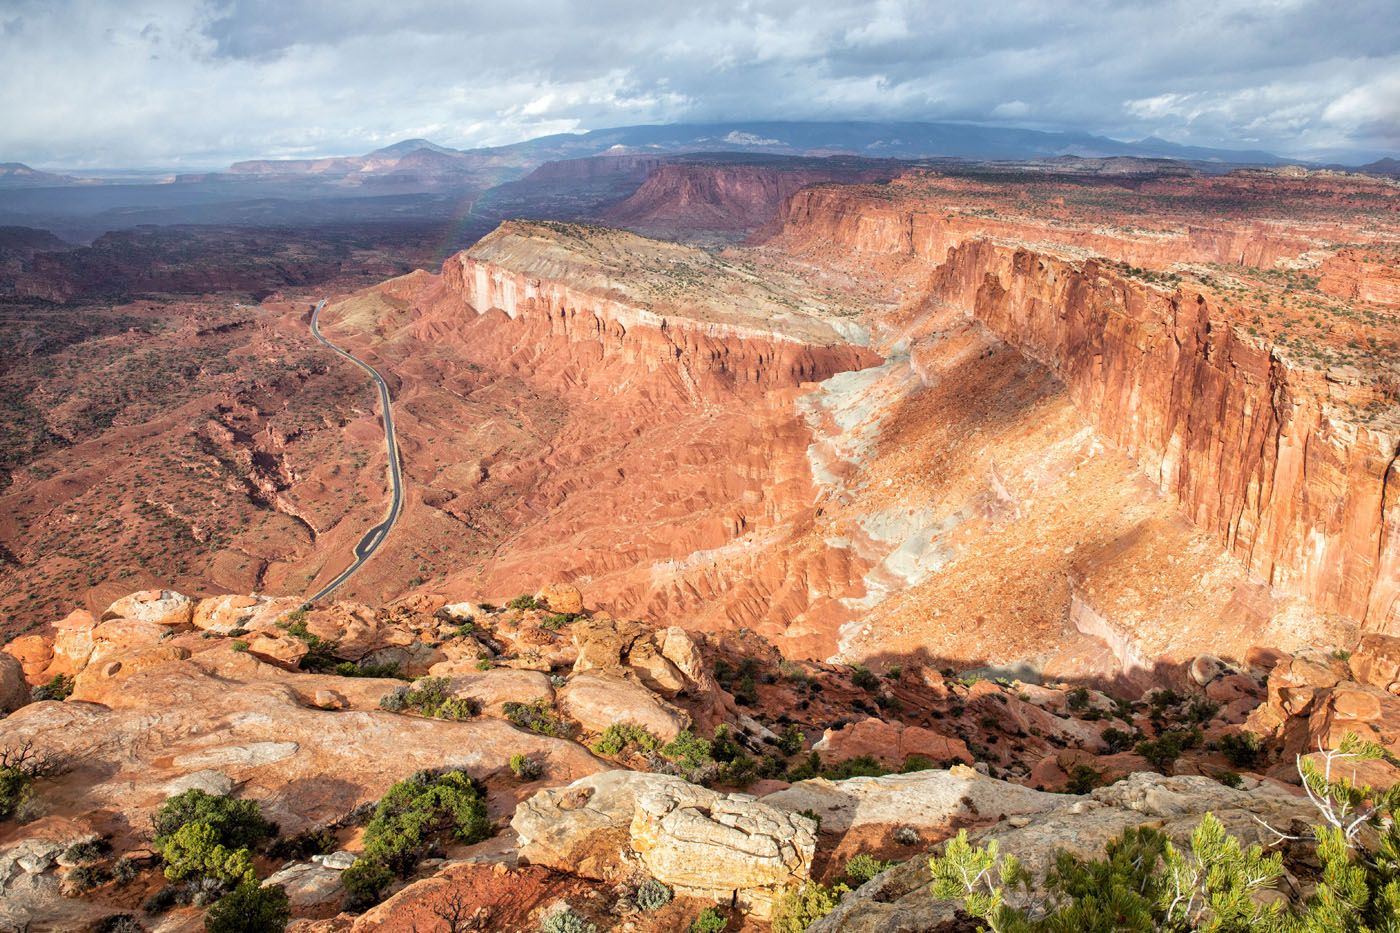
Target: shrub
{"x": 793, "y": 740}
{"x": 89, "y": 850}
{"x": 86, "y": 877}
{"x": 689, "y": 750}
{"x": 564, "y": 920}
{"x": 861, "y": 868}
{"x": 539, "y": 717}
{"x": 917, "y": 763}
{"x": 250, "y": 908}
{"x": 1229, "y": 778}
{"x": 358, "y": 669}
{"x": 239, "y": 645}
{"x": 709, "y": 920}
{"x": 15, "y": 787}
{"x": 119, "y": 923}
{"x": 237, "y": 823}
{"x": 860, "y": 766}
{"x": 1078, "y": 698}
{"x": 125, "y": 871}
{"x": 412, "y": 818}
{"x": 522, "y": 602}
{"x": 483, "y": 664}
{"x": 1241, "y": 749}
{"x": 619, "y": 737}
{"x": 303, "y": 845}
{"x": 365, "y": 882}
{"x": 801, "y": 907}
{"x": 810, "y": 767}
{"x": 1082, "y": 780}
{"x": 526, "y": 767}
{"x": 194, "y": 850}
{"x": 651, "y": 895}
{"x": 1119, "y": 741}
{"x": 59, "y": 688}
{"x": 862, "y": 677}
{"x": 429, "y": 696}
{"x": 1165, "y": 749}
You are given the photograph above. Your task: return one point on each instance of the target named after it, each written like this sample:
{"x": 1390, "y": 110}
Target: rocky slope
{"x": 767, "y": 782}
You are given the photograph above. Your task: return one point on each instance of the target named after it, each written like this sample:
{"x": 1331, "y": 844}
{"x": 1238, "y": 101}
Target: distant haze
{"x": 183, "y": 84}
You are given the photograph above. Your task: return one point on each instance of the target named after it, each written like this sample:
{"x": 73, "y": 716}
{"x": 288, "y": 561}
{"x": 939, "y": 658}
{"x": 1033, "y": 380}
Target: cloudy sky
{"x": 106, "y": 83}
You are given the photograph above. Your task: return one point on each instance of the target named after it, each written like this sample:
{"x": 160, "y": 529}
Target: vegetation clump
{"x": 709, "y": 920}
{"x": 801, "y": 907}
{"x": 59, "y": 688}
{"x": 622, "y": 736}
{"x": 539, "y": 717}
{"x": 1146, "y": 883}
{"x": 204, "y": 836}
{"x": 250, "y": 908}
{"x": 415, "y": 817}
{"x": 431, "y": 697}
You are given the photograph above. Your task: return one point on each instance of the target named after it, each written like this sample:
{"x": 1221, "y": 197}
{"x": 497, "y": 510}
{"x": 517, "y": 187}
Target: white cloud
{"x": 104, "y": 82}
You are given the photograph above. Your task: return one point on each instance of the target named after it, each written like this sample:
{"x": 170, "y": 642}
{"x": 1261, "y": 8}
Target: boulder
{"x": 97, "y": 683}
{"x": 721, "y": 847}
{"x": 596, "y": 701}
{"x": 702, "y": 843}
{"x": 865, "y": 811}
{"x": 224, "y": 614}
{"x": 72, "y": 643}
{"x": 492, "y": 689}
{"x": 889, "y": 743}
{"x": 158, "y": 607}
{"x": 1376, "y": 661}
{"x": 308, "y": 885}
{"x": 413, "y": 659}
{"x": 14, "y": 689}
{"x": 284, "y": 650}
{"x": 34, "y": 653}
{"x": 561, "y": 597}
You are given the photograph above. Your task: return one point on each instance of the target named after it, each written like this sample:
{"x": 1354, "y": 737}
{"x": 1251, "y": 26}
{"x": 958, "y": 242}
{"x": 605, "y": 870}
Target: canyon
{"x": 758, "y": 514}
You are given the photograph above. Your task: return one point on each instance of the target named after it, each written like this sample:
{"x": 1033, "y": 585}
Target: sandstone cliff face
{"x": 1252, "y": 446}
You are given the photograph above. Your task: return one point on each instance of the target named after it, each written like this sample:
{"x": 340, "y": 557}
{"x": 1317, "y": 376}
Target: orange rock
{"x": 562, "y": 597}
{"x": 34, "y": 653}
{"x": 159, "y": 607}
{"x": 1376, "y": 661}
{"x": 889, "y": 743}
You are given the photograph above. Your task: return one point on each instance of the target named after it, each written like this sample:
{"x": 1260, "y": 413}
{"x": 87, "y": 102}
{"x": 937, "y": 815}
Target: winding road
{"x": 375, "y": 536}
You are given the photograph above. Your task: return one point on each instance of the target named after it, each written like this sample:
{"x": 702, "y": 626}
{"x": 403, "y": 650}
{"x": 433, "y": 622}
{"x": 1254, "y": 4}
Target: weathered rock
{"x": 901, "y": 900}
{"x": 1376, "y": 661}
{"x": 34, "y": 653}
{"x": 561, "y": 597}
{"x": 95, "y": 682}
{"x": 413, "y": 660}
{"x": 225, "y": 614}
{"x": 863, "y": 811}
{"x": 339, "y": 860}
{"x": 721, "y": 847}
{"x": 285, "y": 650}
{"x": 14, "y": 689}
{"x": 494, "y": 688}
{"x": 596, "y": 701}
{"x": 159, "y": 607}
{"x": 72, "y": 643}
{"x": 308, "y": 885}
{"x": 210, "y": 781}
{"x": 889, "y": 742}
{"x": 701, "y": 842}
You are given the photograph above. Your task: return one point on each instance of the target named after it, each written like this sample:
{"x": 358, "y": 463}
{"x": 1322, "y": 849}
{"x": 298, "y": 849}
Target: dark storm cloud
{"x": 171, "y": 82}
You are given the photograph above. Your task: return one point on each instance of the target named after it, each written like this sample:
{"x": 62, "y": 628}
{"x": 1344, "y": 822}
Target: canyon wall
{"x": 1248, "y": 443}
{"x": 702, "y": 354}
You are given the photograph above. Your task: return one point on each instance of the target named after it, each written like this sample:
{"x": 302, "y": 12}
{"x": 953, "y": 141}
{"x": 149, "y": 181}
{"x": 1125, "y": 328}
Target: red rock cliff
{"x": 1246, "y": 441}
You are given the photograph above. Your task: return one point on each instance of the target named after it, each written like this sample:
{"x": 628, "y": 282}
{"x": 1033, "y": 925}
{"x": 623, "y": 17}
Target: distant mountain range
{"x": 419, "y": 160}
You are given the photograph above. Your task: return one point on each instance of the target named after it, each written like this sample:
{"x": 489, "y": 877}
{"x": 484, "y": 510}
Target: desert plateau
{"x": 797, "y": 512}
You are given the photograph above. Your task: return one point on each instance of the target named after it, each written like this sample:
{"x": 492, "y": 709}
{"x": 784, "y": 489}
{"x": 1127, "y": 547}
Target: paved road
{"x": 376, "y": 535}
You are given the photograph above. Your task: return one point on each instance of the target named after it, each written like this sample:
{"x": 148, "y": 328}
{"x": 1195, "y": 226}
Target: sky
{"x": 162, "y": 83}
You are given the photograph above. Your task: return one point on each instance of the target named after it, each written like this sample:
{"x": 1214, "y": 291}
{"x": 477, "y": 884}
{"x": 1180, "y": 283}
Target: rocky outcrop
{"x": 890, "y": 743}
{"x": 159, "y": 607}
{"x": 705, "y": 844}
{"x": 901, "y": 900}
{"x": 596, "y": 701}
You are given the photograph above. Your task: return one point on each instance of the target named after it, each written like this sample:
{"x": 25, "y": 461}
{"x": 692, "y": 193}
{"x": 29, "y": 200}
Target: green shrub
{"x": 526, "y": 767}
{"x": 59, "y": 688}
{"x": 860, "y": 766}
{"x": 1078, "y": 698}
{"x": 862, "y": 677}
{"x": 389, "y": 669}
{"x": 1082, "y": 779}
{"x": 87, "y": 877}
{"x": 539, "y": 717}
{"x": 522, "y": 602}
{"x": 194, "y": 850}
{"x": 689, "y": 750}
{"x": 89, "y": 850}
{"x": 1241, "y": 749}
{"x": 861, "y": 868}
{"x": 365, "y": 882}
{"x": 412, "y": 819}
{"x": 239, "y": 645}
{"x": 619, "y": 737}
{"x": 801, "y": 907}
{"x": 250, "y": 908}
{"x": 237, "y": 824}
{"x": 810, "y": 767}
{"x": 16, "y": 785}
{"x": 1119, "y": 741}
{"x": 1167, "y": 748}
{"x": 651, "y": 895}
{"x": 119, "y": 923}
{"x": 429, "y": 696}
{"x": 793, "y": 740}
{"x": 917, "y": 763}
{"x": 303, "y": 845}
{"x": 709, "y": 920}
{"x": 484, "y": 664}
{"x": 1229, "y": 778}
